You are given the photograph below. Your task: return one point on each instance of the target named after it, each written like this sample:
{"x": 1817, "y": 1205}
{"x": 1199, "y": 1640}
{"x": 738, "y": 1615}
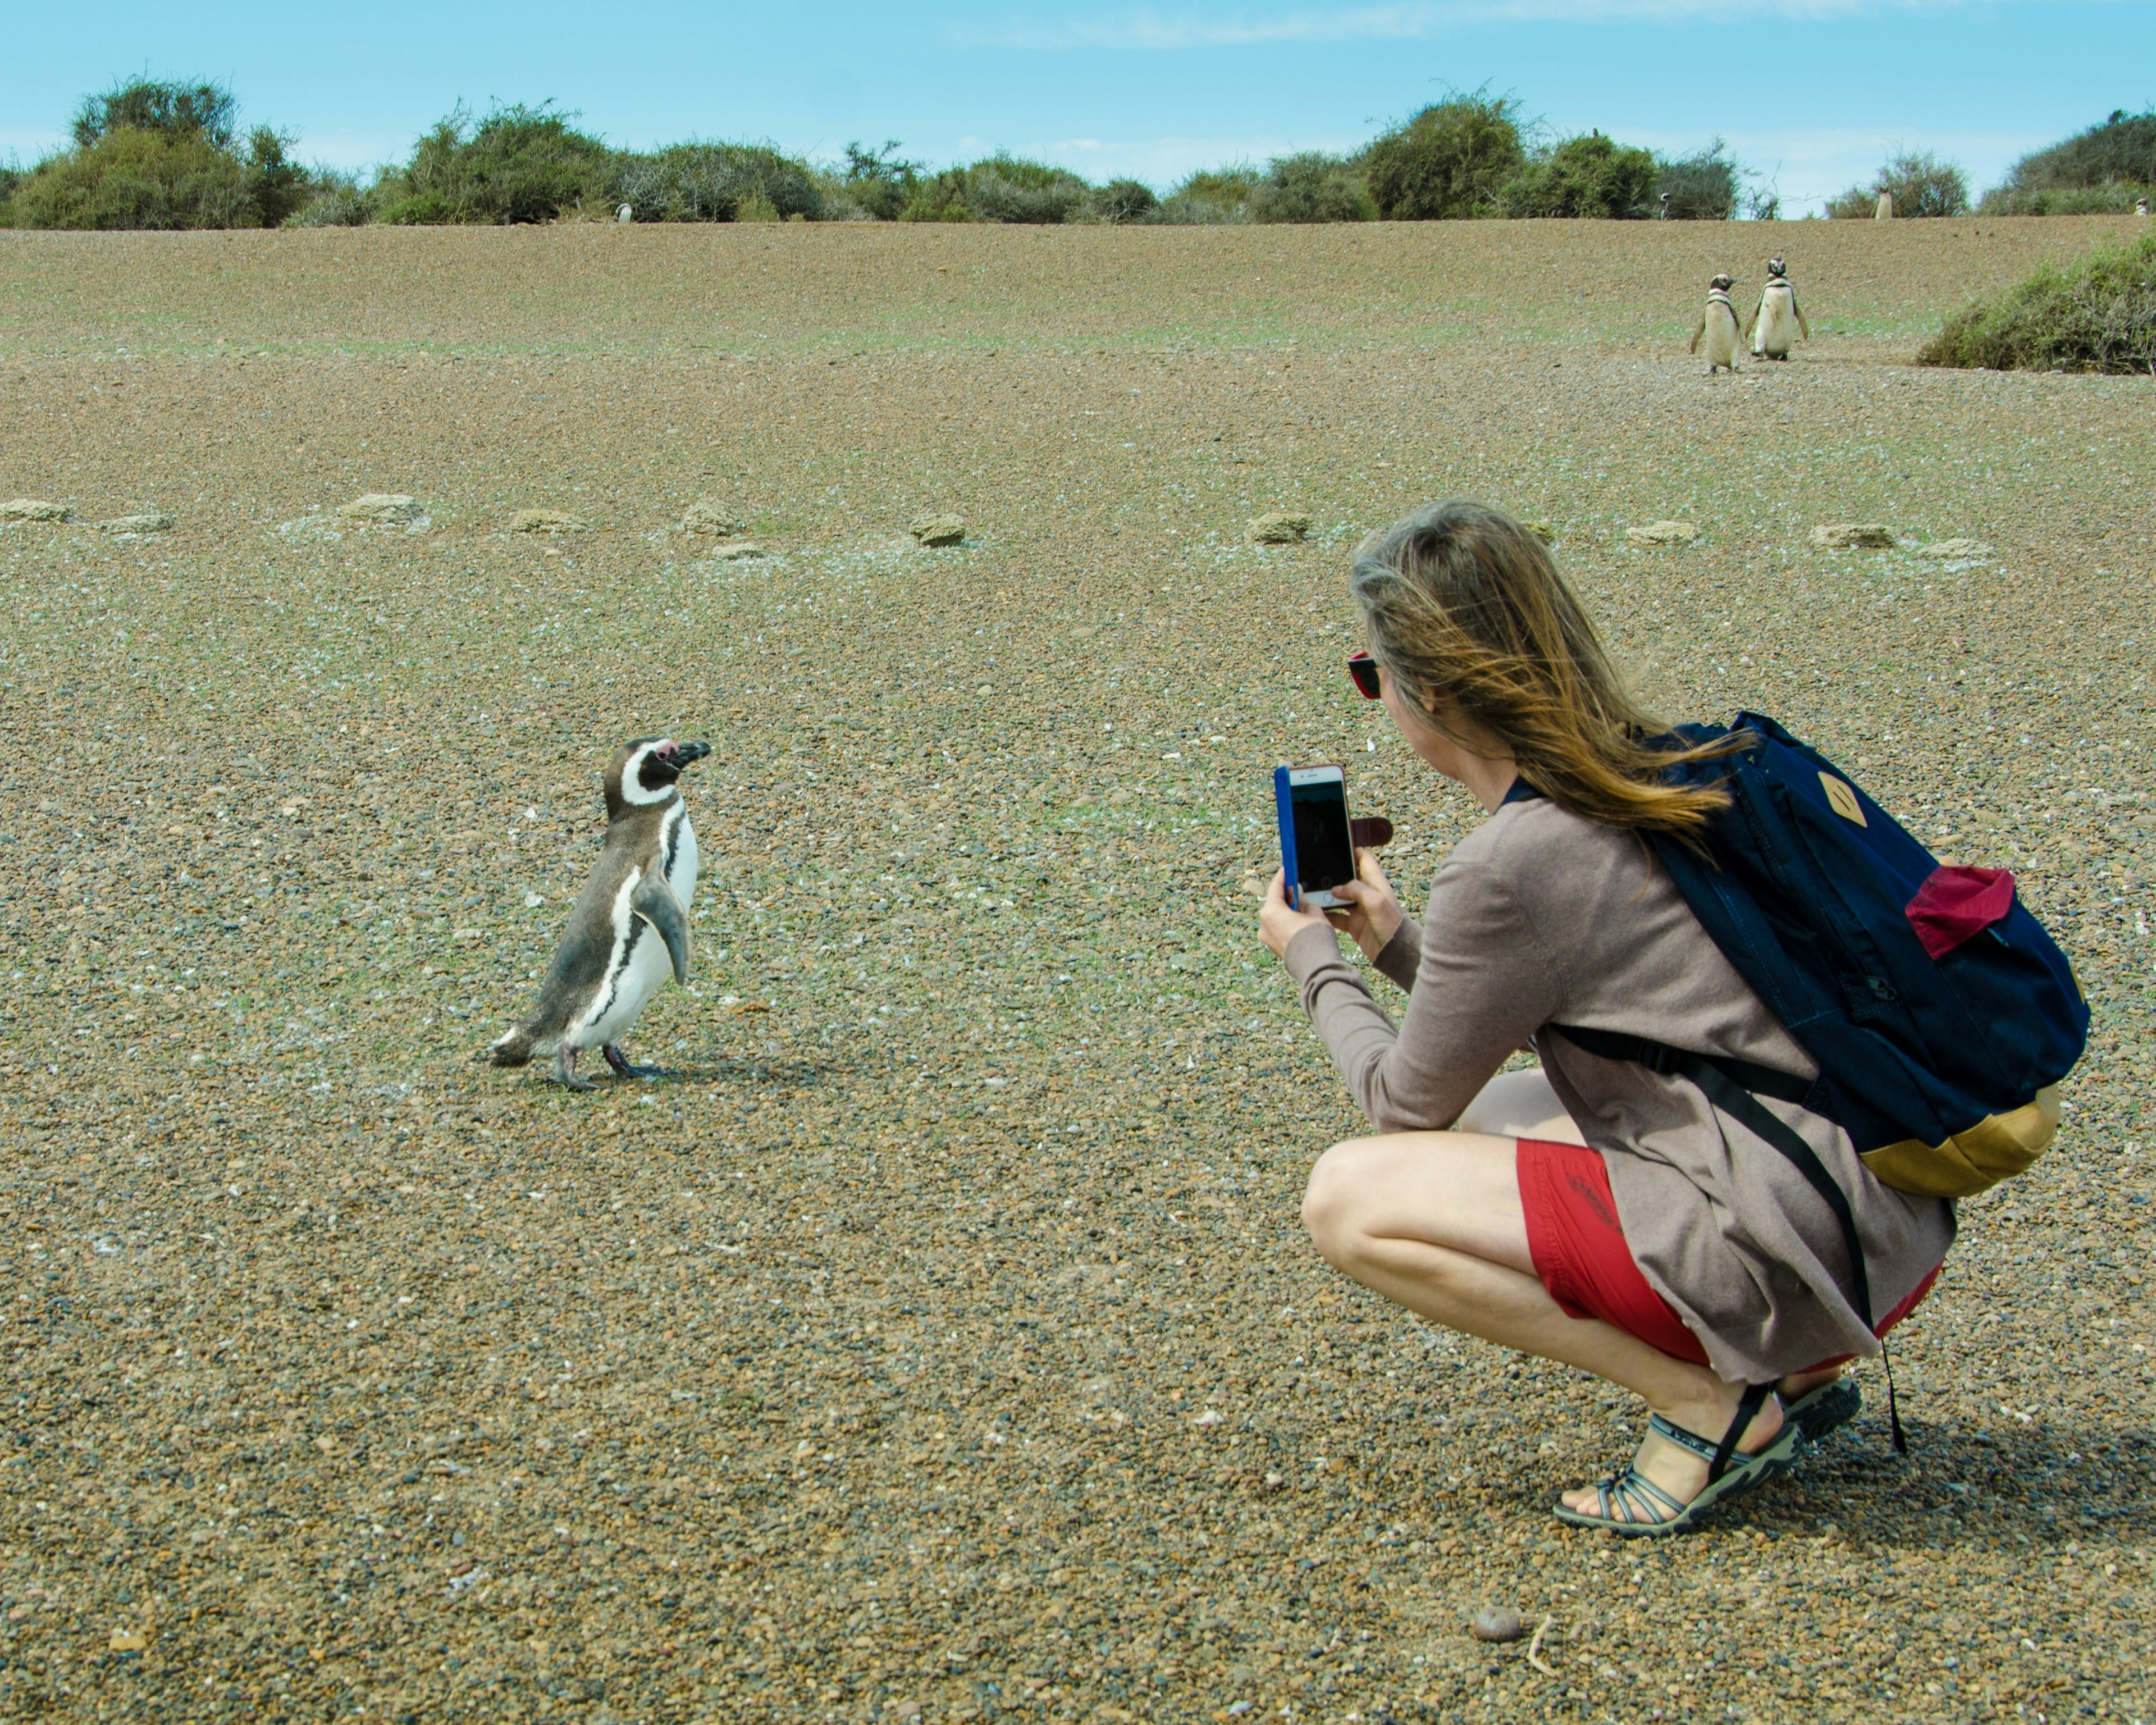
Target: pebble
{"x": 707, "y": 514}
{"x": 33, "y": 508}
{"x": 935, "y": 530}
{"x": 154, "y": 521}
{"x": 1663, "y": 533}
{"x": 384, "y": 507}
{"x": 1498, "y": 1623}
{"x": 1972, "y": 550}
{"x": 1279, "y": 527}
{"x": 1854, "y": 536}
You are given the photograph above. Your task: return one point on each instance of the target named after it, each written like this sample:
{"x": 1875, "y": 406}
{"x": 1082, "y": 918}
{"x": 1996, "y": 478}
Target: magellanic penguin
{"x": 628, "y": 927}
{"x": 1717, "y": 326}
{"x": 1777, "y": 318}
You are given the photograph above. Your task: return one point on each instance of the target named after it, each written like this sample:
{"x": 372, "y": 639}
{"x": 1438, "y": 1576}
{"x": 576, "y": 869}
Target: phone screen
{"x": 1324, "y": 850}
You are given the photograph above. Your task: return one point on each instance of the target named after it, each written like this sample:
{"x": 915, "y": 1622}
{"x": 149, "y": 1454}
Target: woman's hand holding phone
{"x": 1279, "y": 922}
{"x": 1374, "y": 915}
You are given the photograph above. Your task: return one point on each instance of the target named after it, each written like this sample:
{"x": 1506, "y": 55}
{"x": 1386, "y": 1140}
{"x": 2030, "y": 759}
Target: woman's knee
{"x": 1335, "y": 1204}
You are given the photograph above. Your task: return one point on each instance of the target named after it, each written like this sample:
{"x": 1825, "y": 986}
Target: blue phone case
{"x": 1283, "y": 802}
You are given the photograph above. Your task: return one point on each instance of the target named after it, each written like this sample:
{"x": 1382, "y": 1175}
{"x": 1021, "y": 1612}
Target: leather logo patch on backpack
{"x": 1842, "y": 799}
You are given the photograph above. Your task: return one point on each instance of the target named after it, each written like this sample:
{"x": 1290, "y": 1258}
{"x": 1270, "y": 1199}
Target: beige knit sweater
{"x": 1544, "y": 917}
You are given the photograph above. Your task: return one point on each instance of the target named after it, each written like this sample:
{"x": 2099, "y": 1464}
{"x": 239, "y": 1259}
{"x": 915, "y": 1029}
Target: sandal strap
{"x": 1717, "y": 1456}
{"x": 1633, "y": 1492}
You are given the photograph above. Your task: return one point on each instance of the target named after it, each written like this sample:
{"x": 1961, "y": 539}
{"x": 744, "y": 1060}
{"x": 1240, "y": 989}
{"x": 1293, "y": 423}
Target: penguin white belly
{"x": 682, "y": 866}
{"x": 1720, "y": 341}
{"x": 1777, "y": 327}
{"x": 626, "y": 992}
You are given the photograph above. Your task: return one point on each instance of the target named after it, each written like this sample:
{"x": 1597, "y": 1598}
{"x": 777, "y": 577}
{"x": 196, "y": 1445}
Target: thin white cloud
{"x": 1142, "y": 27}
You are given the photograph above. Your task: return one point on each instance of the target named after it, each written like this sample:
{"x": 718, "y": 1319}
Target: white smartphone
{"x": 1317, "y": 845}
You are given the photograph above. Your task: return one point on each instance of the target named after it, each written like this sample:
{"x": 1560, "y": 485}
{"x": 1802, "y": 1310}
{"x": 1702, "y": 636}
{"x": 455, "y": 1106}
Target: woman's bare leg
{"x": 1519, "y": 1105}
{"x": 1433, "y": 1221}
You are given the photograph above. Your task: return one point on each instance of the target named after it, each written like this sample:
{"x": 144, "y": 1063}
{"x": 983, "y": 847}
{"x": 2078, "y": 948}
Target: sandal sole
{"x": 1825, "y": 1410}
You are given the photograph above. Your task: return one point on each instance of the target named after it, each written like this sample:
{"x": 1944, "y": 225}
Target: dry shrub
{"x": 2097, "y": 316}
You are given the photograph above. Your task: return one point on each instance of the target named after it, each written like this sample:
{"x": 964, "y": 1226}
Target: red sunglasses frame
{"x": 1363, "y": 670}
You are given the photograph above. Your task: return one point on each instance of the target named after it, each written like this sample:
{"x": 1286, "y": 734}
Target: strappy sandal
{"x": 1643, "y": 1511}
{"x": 1825, "y": 1410}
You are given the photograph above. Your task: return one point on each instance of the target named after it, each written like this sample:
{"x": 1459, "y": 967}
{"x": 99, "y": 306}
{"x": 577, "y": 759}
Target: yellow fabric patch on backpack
{"x": 1842, "y": 799}
{"x": 1974, "y": 1159}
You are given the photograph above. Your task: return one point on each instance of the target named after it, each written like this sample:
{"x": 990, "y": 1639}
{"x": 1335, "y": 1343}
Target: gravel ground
{"x": 942, "y": 1342}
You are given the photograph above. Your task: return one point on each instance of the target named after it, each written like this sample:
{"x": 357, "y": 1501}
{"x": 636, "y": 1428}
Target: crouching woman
{"x": 1592, "y": 1211}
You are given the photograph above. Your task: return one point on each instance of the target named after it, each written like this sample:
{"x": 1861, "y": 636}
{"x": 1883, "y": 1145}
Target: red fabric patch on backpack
{"x": 1955, "y": 905}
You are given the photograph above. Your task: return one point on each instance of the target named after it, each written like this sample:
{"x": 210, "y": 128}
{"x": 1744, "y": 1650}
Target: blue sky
{"x": 1810, "y": 92}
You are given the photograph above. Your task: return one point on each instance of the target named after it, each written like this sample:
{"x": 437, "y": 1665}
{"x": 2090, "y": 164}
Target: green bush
{"x": 2097, "y": 316}
{"x": 880, "y": 181}
{"x": 1122, "y": 201}
{"x": 1591, "y": 176}
{"x": 2101, "y": 171}
{"x": 1449, "y": 161}
{"x": 519, "y": 164}
{"x": 1699, "y": 187}
{"x": 2116, "y": 199}
{"x": 132, "y": 178}
{"x": 209, "y": 111}
{"x": 1313, "y": 187}
{"x": 160, "y": 155}
{"x": 333, "y": 201}
{"x": 716, "y": 182}
{"x": 1920, "y": 183}
{"x": 1213, "y": 194}
{"x": 1005, "y": 188}
{"x": 999, "y": 188}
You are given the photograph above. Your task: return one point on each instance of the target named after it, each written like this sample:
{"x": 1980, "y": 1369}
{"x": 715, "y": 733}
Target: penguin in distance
{"x": 1778, "y": 318}
{"x": 1717, "y": 326}
{"x": 628, "y": 927}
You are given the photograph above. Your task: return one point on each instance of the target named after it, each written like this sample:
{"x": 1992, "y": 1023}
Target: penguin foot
{"x": 623, "y": 1067}
{"x": 565, "y": 1071}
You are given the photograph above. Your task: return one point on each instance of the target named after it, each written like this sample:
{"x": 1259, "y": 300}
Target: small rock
{"x": 707, "y": 514}
{"x": 1663, "y": 533}
{"x": 31, "y": 509}
{"x": 547, "y": 520}
{"x": 736, "y": 550}
{"x": 1956, "y": 550}
{"x": 383, "y": 506}
{"x": 1279, "y": 527}
{"x": 153, "y": 520}
{"x": 1498, "y": 1623}
{"x": 1853, "y": 536}
{"x": 1542, "y": 530}
{"x": 124, "y": 1640}
{"x": 938, "y": 529}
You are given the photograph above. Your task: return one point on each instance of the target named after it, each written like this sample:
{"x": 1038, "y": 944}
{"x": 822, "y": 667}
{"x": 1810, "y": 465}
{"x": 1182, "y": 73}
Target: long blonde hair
{"x": 1461, "y": 602}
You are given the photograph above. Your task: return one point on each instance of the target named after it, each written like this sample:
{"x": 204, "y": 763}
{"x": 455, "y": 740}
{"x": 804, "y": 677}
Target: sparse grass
{"x": 2097, "y": 315}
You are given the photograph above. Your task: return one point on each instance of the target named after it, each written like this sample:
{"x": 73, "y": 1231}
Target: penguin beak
{"x": 672, "y": 756}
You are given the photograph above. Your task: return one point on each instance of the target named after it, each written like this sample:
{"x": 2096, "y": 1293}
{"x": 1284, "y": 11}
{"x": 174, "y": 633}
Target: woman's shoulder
{"x": 1553, "y": 863}
{"x": 1533, "y": 831}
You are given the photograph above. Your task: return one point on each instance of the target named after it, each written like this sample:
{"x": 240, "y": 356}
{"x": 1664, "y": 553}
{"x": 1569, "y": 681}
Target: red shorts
{"x": 1578, "y": 1248}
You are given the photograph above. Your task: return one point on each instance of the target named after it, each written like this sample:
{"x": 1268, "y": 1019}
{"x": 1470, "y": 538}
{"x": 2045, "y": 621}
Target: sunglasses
{"x": 1363, "y": 670}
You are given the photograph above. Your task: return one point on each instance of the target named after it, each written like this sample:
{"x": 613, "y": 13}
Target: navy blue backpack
{"x": 1941, "y": 1014}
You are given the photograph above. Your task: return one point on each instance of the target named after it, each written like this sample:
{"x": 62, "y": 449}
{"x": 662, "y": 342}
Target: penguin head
{"x": 643, "y": 770}
{"x": 1724, "y": 282}
{"x": 1775, "y": 266}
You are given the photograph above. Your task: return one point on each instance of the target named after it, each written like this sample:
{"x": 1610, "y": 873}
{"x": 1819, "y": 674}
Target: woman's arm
{"x": 1483, "y": 985}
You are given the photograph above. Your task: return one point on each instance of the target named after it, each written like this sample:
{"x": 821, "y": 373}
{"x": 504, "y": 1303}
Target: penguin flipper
{"x": 658, "y": 904}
